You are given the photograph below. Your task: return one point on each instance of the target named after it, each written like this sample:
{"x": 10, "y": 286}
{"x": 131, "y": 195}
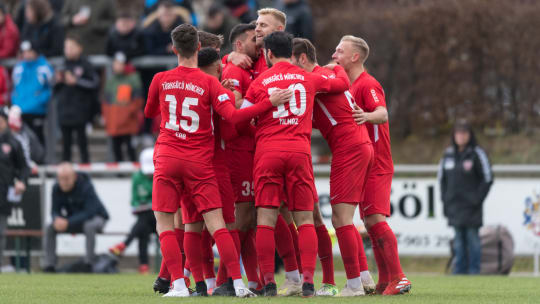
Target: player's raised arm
{"x": 332, "y": 85}
{"x": 151, "y": 109}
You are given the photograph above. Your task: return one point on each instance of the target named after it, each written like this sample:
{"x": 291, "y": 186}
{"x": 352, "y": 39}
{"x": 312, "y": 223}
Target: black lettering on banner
{"x": 417, "y": 206}
{"x": 431, "y": 202}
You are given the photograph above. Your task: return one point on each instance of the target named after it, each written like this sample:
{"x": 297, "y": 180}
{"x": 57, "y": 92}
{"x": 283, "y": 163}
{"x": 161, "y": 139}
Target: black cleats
{"x": 270, "y": 290}
{"x": 308, "y": 290}
{"x": 162, "y": 285}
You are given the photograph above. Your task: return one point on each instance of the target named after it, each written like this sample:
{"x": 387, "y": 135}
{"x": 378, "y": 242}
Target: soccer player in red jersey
{"x": 283, "y": 155}
{"x": 352, "y": 156}
{"x": 183, "y": 156}
{"x": 351, "y": 53}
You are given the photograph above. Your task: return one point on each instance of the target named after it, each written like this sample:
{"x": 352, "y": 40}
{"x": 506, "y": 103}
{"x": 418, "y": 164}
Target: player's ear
{"x": 199, "y": 46}
{"x": 175, "y": 51}
{"x": 355, "y": 57}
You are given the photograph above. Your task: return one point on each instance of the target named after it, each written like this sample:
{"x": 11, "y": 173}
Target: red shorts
{"x": 227, "y": 198}
{"x": 240, "y": 164}
{"x": 348, "y": 174}
{"x": 377, "y": 195}
{"x": 174, "y": 178}
{"x": 289, "y": 172}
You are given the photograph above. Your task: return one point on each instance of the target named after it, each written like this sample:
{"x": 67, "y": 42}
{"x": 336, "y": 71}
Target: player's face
{"x": 343, "y": 54}
{"x": 250, "y": 45}
{"x": 462, "y": 137}
{"x": 266, "y": 24}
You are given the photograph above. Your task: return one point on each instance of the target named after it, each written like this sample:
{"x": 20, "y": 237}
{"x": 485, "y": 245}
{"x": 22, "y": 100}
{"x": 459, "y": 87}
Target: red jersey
{"x": 332, "y": 115}
{"x": 258, "y": 67}
{"x": 241, "y": 79}
{"x": 288, "y": 127}
{"x": 369, "y": 95}
{"x": 186, "y": 97}
{"x": 219, "y": 142}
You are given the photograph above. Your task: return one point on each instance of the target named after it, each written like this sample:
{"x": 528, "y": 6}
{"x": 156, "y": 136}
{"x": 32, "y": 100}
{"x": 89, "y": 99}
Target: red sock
{"x": 266, "y": 247}
{"x": 294, "y": 235}
{"x": 325, "y": 255}
{"x": 362, "y": 259}
{"x": 171, "y": 254}
{"x": 307, "y": 243}
{"x": 387, "y": 244}
{"x": 164, "y": 272}
{"x": 207, "y": 255}
{"x": 348, "y": 246}
{"x": 192, "y": 246}
{"x": 227, "y": 253}
{"x": 384, "y": 277}
{"x": 285, "y": 245}
{"x": 249, "y": 255}
{"x": 180, "y": 239}
{"x": 222, "y": 270}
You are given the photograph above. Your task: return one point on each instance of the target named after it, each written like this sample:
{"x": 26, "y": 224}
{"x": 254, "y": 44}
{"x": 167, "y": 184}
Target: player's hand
{"x": 359, "y": 115}
{"x": 70, "y": 79}
{"x": 330, "y": 66}
{"x": 228, "y": 84}
{"x": 20, "y": 187}
{"x": 279, "y": 96}
{"x": 241, "y": 60}
{"x": 60, "y": 224}
{"x": 79, "y": 19}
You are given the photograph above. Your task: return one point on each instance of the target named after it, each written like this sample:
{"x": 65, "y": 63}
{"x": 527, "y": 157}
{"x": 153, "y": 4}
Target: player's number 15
{"x": 186, "y": 112}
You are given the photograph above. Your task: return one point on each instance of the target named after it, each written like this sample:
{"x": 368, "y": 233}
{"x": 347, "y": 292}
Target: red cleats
{"x": 379, "y": 289}
{"x": 397, "y": 287}
{"x": 144, "y": 269}
{"x": 118, "y": 249}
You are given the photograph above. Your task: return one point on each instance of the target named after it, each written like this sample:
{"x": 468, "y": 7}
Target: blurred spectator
{"x": 33, "y": 150}
{"x": 241, "y": 10}
{"x": 299, "y": 18}
{"x": 32, "y": 88}
{"x": 465, "y": 178}
{"x": 90, "y": 20}
{"x": 210, "y": 40}
{"x": 76, "y": 208}
{"x": 141, "y": 205}
{"x": 42, "y": 28}
{"x": 19, "y": 11}
{"x": 122, "y": 106}
{"x": 125, "y": 37}
{"x": 5, "y": 86}
{"x": 13, "y": 174}
{"x": 185, "y": 6}
{"x": 220, "y": 22}
{"x": 76, "y": 82}
{"x": 9, "y": 34}
{"x": 157, "y": 35}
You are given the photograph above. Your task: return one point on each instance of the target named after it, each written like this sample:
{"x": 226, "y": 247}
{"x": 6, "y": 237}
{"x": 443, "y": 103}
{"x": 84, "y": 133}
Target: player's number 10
{"x": 281, "y": 111}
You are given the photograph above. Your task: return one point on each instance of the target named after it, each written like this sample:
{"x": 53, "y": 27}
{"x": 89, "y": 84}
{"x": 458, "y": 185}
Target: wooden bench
{"x": 27, "y": 235}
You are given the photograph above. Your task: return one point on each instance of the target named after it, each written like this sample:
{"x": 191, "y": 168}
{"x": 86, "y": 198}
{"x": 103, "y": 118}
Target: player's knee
{"x": 339, "y": 220}
{"x": 373, "y": 219}
{"x": 302, "y": 217}
{"x": 318, "y": 220}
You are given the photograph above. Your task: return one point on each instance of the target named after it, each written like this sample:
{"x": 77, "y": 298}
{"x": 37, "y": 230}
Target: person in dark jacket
{"x": 157, "y": 35}
{"x": 43, "y": 29}
{"x": 125, "y": 37}
{"x": 220, "y": 22}
{"x": 76, "y": 83}
{"x": 465, "y": 178}
{"x": 13, "y": 173}
{"x": 76, "y": 208}
{"x": 34, "y": 153}
{"x": 299, "y": 18}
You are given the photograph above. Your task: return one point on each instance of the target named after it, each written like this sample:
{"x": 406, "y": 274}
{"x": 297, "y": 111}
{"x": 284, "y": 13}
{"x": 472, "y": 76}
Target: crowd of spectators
{"x": 51, "y": 41}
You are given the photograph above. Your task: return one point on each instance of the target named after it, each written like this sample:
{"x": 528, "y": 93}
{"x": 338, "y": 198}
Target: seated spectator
{"x": 125, "y": 37}
{"x": 33, "y": 150}
{"x": 299, "y": 18}
{"x": 9, "y": 35}
{"x": 151, "y": 6}
{"x": 141, "y": 205}
{"x": 122, "y": 106}
{"x": 157, "y": 35}
{"x": 76, "y": 208}
{"x": 32, "y": 88}
{"x": 220, "y": 22}
{"x": 76, "y": 82}
{"x": 13, "y": 174}
{"x": 90, "y": 19}
{"x": 5, "y": 86}
{"x": 241, "y": 10}
{"x": 42, "y": 28}
{"x": 210, "y": 40}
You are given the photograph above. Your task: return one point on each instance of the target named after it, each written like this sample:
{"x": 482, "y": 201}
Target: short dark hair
{"x": 166, "y": 3}
{"x": 280, "y": 43}
{"x": 185, "y": 40}
{"x": 74, "y": 37}
{"x": 304, "y": 46}
{"x": 239, "y": 30}
{"x": 2, "y": 8}
{"x": 210, "y": 40}
{"x": 207, "y": 56}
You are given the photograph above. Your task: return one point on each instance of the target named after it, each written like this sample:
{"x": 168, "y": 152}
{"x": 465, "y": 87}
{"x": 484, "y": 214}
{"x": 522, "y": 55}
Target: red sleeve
{"x": 220, "y": 95}
{"x": 236, "y": 75}
{"x": 324, "y": 84}
{"x": 373, "y": 97}
{"x": 228, "y": 130}
{"x": 151, "y": 109}
{"x": 10, "y": 43}
{"x": 224, "y": 59}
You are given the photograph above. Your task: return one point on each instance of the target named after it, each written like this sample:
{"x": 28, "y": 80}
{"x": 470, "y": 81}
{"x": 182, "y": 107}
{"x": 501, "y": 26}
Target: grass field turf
{"x": 131, "y": 288}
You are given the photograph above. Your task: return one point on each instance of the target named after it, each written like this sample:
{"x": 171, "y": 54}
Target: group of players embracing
{"x": 233, "y": 165}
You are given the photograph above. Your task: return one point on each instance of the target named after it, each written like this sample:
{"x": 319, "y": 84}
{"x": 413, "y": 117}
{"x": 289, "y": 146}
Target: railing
{"x": 105, "y": 61}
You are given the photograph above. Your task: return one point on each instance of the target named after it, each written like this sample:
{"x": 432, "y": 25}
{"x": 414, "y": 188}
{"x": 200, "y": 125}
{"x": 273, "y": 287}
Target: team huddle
{"x": 233, "y": 165}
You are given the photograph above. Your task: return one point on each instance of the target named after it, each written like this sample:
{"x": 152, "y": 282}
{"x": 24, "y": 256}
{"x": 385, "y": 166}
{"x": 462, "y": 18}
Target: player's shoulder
{"x": 324, "y": 72}
{"x": 367, "y": 80}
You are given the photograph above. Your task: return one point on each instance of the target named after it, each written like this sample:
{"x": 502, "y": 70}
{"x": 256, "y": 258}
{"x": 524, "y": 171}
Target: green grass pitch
{"x": 131, "y": 288}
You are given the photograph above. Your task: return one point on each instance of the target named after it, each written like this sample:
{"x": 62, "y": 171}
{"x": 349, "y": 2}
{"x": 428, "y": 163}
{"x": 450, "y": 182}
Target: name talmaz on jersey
{"x": 278, "y": 77}
{"x": 182, "y": 86}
